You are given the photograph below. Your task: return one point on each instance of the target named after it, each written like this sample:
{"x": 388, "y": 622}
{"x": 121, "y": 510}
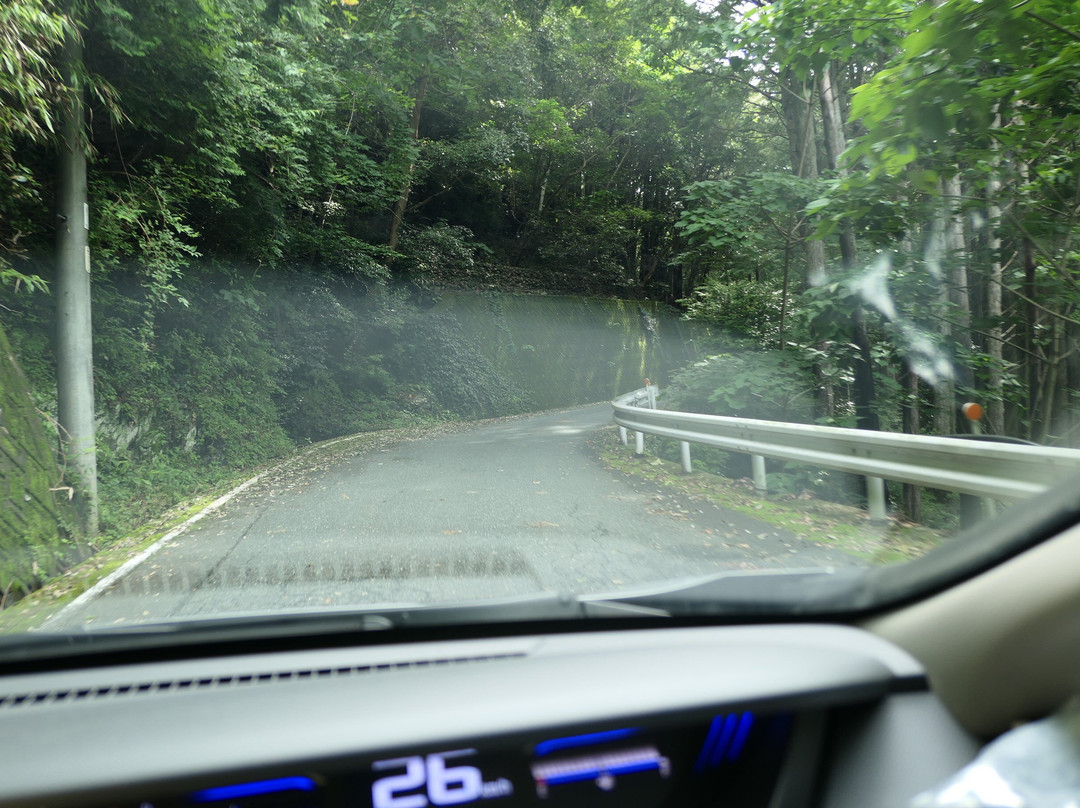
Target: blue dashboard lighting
{"x": 710, "y": 741}
{"x": 254, "y": 789}
{"x": 725, "y": 739}
{"x": 717, "y": 754}
{"x": 745, "y": 723}
{"x": 575, "y": 741}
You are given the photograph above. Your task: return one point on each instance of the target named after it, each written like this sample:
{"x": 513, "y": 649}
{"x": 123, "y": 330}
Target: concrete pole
{"x": 74, "y": 335}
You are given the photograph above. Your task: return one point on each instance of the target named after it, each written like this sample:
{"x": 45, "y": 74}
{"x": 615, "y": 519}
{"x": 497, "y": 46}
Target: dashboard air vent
{"x": 77, "y": 694}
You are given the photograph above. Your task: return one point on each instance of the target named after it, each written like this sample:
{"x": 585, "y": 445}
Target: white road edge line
{"x": 132, "y": 563}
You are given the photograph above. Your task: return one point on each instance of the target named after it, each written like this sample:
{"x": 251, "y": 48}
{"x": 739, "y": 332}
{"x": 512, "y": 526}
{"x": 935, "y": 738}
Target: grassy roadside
{"x": 33, "y": 610}
{"x": 37, "y": 607}
{"x": 830, "y": 524}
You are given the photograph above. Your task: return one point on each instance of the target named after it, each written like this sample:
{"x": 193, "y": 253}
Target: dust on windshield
{"x": 315, "y": 304}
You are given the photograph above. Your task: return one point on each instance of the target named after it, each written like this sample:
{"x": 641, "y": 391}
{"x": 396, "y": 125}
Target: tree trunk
{"x": 995, "y": 396}
{"x": 1070, "y": 384}
{"x": 74, "y": 333}
{"x": 909, "y": 413}
{"x": 1032, "y": 324}
{"x": 406, "y": 187}
{"x": 796, "y": 102}
{"x": 784, "y": 295}
{"x": 544, "y": 187}
{"x": 1055, "y": 394}
{"x": 944, "y": 387}
{"x": 835, "y": 143}
{"x": 959, "y": 294}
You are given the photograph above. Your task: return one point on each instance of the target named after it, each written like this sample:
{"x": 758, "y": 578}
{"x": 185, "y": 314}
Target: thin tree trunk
{"x": 543, "y": 190}
{"x": 406, "y": 187}
{"x": 784, "y": 295}
{"x": 1031, "y": 321}
{"x": 74, "y": 333}
{"x": 835, "y": 143}
{"x": 866, "y": 416}
{"x": 909, "y": 413}
{"x": 1055, "y": 394}
{"x": 945, "y": 387}
{"x": 796, "y": 102}
{"x": 995, "y": 404}
{"x": 1070, "y": 384}
{"x": 959, "y": 294}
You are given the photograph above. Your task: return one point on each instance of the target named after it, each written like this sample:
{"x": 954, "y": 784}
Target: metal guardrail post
{"x": 757, "y": 463}
{"x": 684, "y": 454}
{"x": 639, "y": 443}
{"x": 875, "y": 499}
{"x": 622, "y": 435}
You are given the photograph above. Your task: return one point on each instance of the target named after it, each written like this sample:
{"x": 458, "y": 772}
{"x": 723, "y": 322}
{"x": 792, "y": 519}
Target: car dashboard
{"x": 756, "y": 716}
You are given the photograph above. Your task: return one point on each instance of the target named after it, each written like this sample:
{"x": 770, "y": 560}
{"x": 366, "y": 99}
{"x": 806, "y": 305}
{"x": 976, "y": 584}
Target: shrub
{"x": 744, "y": 307}
{"x": 746, "y": 382}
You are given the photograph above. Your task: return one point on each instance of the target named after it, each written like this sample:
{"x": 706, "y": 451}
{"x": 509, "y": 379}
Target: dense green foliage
{"x": 932, "y": 148}
{"x": 878, "y": 196}
{"x": 262, "y": 174}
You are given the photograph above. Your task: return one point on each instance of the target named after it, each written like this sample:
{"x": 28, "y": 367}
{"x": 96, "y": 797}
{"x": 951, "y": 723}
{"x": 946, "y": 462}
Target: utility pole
{"x": 74, "y": 336}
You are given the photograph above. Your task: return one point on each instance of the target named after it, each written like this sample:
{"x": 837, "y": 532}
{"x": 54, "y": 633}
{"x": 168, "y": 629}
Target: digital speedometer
{"x": 733, "y": 758}
{"x": 442, "y": 778}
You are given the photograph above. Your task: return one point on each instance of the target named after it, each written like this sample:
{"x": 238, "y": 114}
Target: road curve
{"x": 502, "y": 508}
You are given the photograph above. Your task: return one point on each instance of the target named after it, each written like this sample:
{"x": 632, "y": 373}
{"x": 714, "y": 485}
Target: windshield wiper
{"x": 738, "y": 595}
{"x": 245, "y": 633}
{"x": 766, "y": 593}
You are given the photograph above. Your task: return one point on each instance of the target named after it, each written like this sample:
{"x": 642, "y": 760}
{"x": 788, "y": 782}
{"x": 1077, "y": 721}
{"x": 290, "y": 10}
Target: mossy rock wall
{"x": 36, "y": 523}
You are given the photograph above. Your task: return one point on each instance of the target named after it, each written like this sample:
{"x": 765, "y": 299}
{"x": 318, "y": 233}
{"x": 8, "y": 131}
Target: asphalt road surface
{"x": 506, "y": 508}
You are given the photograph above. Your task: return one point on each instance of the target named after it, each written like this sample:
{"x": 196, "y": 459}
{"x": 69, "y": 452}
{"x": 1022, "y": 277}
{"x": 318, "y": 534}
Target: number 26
{"x": 446, "y": 785}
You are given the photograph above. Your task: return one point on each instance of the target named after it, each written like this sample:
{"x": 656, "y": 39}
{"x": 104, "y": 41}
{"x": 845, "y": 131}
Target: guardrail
{"x": 994, "y": 470}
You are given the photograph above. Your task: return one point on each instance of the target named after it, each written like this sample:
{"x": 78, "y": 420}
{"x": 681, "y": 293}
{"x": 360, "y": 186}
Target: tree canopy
{"x": 886, "y": 190}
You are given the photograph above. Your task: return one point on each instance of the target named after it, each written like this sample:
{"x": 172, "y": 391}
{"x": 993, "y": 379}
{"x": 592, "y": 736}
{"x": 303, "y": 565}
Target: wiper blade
{"x": 240, "y": 632}
{"x": 767, "y": 593}
{"x": 731, "y": 594}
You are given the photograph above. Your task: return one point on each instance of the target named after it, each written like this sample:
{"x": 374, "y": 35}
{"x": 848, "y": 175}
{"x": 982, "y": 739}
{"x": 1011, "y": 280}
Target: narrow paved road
{"x": 504, "y": 508}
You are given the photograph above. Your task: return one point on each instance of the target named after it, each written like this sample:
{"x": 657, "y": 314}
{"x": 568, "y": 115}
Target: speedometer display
{"x": 441, "y": 778}
{"x": 733, "y": 759}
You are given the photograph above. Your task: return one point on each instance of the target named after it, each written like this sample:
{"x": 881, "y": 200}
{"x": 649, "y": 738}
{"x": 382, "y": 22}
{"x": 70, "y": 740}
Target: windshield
{"x": 311, "y": 306}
